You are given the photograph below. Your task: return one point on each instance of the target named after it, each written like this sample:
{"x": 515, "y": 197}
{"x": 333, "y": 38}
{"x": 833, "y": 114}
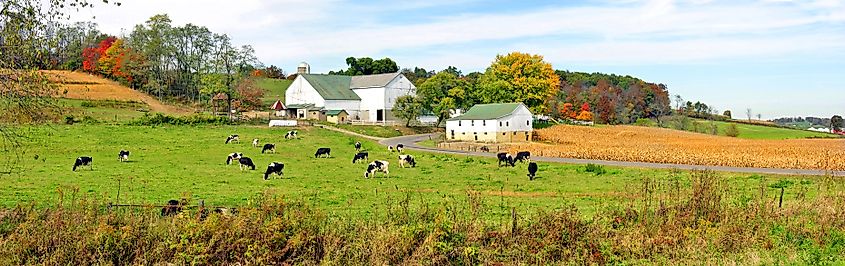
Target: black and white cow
{"x": 269, "y": 147}
{"x": 172, "y": 208}
{"x": 83, "y": 161}
{"x": 323, "y": 151}
{"x": 532, "y": 170}
{"x": 255, "y": 143}
{"x": 506, "y": 158}
{"x": 123, "y": 155}
{"x": 233, "y": 138}
{"x": 246, "y": 162}
{"x": 376, "y": 166}
{"x": 291, "y": 134}
{"x": 233, "y": 156}
{"x": 407, "y": 159}
{"x": 274, "y": 168}
{"x": 390, "y": 148}
{"x": 361, "y": 156}
{"x": 523, "y": 156}
{"x": 357, "y": 146}
{"x": 400, "y": 147}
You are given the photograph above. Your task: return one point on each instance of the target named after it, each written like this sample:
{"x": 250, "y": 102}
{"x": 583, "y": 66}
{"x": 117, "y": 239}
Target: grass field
{"x": 747, "y": 131}
{"x": 102, "y": 110}
{"x": 175, "y": 161}
{"x": 274, "y": 89}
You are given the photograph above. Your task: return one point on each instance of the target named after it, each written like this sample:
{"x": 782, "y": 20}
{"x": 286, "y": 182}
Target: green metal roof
{"x": 488, "y": 111}
{"x": 332, "y": 87}
{"x": 334, "y": 112}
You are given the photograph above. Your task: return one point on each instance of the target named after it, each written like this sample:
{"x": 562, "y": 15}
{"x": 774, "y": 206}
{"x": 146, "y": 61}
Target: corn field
{"x": 657, "y": 145}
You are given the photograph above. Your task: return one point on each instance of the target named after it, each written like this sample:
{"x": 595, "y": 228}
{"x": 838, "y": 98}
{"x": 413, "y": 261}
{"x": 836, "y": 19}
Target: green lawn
{"x": 170, "y": 162}
{"x": 763, "y": 132}
{"x": 375, "y": 131}
{"x": 274, "y": 89}
{"x": 103, "y": 111}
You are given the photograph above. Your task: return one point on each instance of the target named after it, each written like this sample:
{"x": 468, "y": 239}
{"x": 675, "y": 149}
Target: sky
{"x": 777, "y": 57}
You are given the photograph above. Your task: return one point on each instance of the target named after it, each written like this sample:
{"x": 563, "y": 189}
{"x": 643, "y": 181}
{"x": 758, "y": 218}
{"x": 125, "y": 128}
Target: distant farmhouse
{"x": 499, "y": 122}
{"x": 367, "y": 98}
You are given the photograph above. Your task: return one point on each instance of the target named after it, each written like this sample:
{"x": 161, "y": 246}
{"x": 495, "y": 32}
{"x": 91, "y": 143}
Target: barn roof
{"x": 335, "y": 112}
{"x": 332, "y": 87}
{"x": 488, "y": 111}
{"x": 278, "y": 106}
{"x": 369, "y": 81}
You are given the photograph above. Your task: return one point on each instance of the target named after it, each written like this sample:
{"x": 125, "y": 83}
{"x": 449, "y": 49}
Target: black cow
{"x": 82, "y": 161}
{"x": 123, "y": 155}
{"x": 400, "y": 147}
{"x": 505, "y": 158}
{"x": 233, "y": 138}
{"x": 233, "y": 156}
{"x": 172, "y": 208}
{"x": 246, "y": 162}
{"x": 322, "y": 151}
{"x": 361, "y": 156}
{"x": 357, "y": 146}
{"x": 532, "y": 170}
{"x": 376, "y": 166}
{"x": 269, "y": 147}
{"x": 523, "y": 156}
{"x": 274, "y": 168}
{"x": 407, "y": 159}
{"x": 485, "y": 149}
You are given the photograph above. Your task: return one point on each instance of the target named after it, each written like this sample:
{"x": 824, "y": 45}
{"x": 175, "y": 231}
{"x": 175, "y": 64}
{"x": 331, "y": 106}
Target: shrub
{"x": 645, "y": 122}
{"x": 162, "y": 119}
{"x": 595, "y": 169}
{"x": 732, "y": 130}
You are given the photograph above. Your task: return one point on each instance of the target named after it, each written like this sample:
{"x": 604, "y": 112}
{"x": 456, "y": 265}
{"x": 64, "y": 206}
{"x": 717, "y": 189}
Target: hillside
{"x": 82, "y": 86}
{"x": 274, "y": 89}
{"x": 747, "y": 131}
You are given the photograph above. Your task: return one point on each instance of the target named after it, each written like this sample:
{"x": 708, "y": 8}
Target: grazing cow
{"x": 233, "y": 138}
{"x": 172, "y": 208}
{"x": 523, "y": 156}
{"x": 226, "y": 211}
{"x": 361, "y": 156}
{"x": 532, "y": 170}
{"x": 83, "y": 161}
{"x": 323, "y": 151}
{"x": 269, "y": 147}
{"x": 233, "y": 156}
{"x": 123, "y": 155}
{"x": 485, "y": 149}
{"x": 291, "y": 134}
{"x": 246, "y": 162}
{"x": 390, "y": 148}
{"x": 274, "y": 168}
{"x": 357, "y": 146}
{"x": 505, "y": 158}
{"x": 376, "y": 166}
{"x": 400, "y": 147}
{"x": 255, "y": 143}
{"x": 407, "y": 159}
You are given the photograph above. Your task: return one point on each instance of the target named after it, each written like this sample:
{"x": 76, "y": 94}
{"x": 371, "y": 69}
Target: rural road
{"x": 410, "y": 142}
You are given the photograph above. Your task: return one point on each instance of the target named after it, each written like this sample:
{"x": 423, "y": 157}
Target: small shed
{"x": 279, "y": 107}
{"x": 337, "y": 116}
{"x": 499, "y": 122}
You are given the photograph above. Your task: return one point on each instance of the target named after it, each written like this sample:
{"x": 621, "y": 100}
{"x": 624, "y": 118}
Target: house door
{"x": 379, "y": 115}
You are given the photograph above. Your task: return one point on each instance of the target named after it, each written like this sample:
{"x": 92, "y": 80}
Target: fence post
{"x": 780, "y": 201}
{"x": 513, "y": 220}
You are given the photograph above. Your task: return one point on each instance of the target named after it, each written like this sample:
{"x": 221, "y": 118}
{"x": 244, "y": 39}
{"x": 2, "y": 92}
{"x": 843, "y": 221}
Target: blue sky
{"x": 777, "y": 57}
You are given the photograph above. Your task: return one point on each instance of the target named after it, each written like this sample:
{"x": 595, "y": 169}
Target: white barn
{"x": 498, "y": 122}
{"x": 368, "y": 98}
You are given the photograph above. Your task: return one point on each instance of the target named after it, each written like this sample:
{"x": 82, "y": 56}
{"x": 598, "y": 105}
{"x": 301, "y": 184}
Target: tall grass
{"x": 672, "y": 221}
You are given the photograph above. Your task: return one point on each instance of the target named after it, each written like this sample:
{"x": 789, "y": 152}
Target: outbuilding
{"x": 498, "y": 122}
{"x": 337, "y": 116}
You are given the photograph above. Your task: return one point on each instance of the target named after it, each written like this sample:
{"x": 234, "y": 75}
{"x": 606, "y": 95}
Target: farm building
{"x": 337, "y": 116}
{"x": 367, "y": 98}
{"x": 498, "y": 122}
{"x": 279, "y": 108}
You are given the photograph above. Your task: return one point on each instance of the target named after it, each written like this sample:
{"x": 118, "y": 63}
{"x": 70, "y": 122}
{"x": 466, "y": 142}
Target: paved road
{"x": 410, "y": 142}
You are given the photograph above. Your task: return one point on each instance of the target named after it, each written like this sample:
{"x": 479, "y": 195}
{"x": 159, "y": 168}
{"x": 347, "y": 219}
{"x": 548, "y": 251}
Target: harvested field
{"x": 657, "y": 145}
{"x": 78, "y": 85}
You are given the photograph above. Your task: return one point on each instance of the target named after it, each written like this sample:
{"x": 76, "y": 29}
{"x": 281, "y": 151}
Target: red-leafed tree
{"x": 91, "y": 55}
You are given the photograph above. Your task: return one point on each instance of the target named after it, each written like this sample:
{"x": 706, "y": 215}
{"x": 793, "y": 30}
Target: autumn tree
{"x": 585, "y": 114}
{"x": 519, "y": 77}
{"x": 249, "y": 95}
{"x": 442, "y": 93}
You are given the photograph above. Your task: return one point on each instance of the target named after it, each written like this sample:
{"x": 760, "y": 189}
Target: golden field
{"x": 658, "y": 145}
{"x": 78, "y": 85}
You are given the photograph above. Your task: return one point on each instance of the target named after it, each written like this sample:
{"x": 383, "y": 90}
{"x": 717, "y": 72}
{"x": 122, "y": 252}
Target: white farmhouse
{"x": 368, "y": 98}
{"x": 498, "y": 122}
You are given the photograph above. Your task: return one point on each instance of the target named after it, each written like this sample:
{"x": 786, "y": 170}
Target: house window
{"x": 472, "y": 123}
{"x": 459, "y": 122}
{"x": 503, "y": 133}
{"x": 453, "y": 134}
{"x": 500, "y": 123}
{"x": 484, "y": 123}
{"x": 514, "y": 133}
{"x": 507, "y": 124}
{"x": 485, "y": 133}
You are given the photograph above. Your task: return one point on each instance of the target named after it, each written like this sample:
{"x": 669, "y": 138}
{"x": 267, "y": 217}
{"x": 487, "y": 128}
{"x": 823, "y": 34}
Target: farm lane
{"x": 410, "y": 142}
